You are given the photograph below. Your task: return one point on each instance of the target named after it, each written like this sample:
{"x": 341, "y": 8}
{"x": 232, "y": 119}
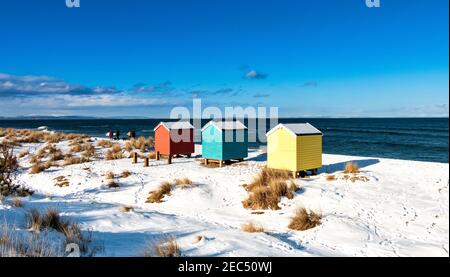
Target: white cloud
{"x": 253, "y": 74}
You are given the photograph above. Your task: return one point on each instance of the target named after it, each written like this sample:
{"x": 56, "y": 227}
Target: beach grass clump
{"x": 140, "y": 144}
{"x": 330, "y": 178}
{"x": 359, "y": 178}
{"x": 183, "y": 182}
{"x": 51, "y": 219}
{"x": 32, "y": 136}
{"x": 56, "y": 156}
{"x": 69, "y": 159}
{"x": 125, "y": 174}
{"x": 261, "y": 198}
{"x": 198, "y": 238}
{"x": 112, "y": 184}
{"x": 61, "y": 181}
{"x": 17, "y": 202}
{"x": 76, "y": 148}
{"x": 168, "y": 247}
{"x": 114, "y": 153}
{"x": 251, "y": 227}
{"x": 105, "y": 143}
{"x": 37, "y": 168}
{"x": 150, "y": 142}
{"x": 157, "y": 195}
{"x": 88, "y": 150}
{"x": 126, "y": 209}
{"x": 35, "y": 159}
{"x": 110, "y": 175}
{"x": 267, "y": 188}
{"x": 50, "y": 154}
{"x": 304, "y": 219}
{"x": 266, "y": 175}
{"x": 23, "y": 153}
{"x": 351, "y": 167}
{"x": 8, "y": 166}
{"x": 14, "y": 244}
{"x": 129, "y": 146}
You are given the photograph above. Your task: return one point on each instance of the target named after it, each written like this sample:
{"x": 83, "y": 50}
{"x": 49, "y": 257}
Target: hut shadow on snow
{"x": 262, "y": 157}
{"x": 330, "y": 168}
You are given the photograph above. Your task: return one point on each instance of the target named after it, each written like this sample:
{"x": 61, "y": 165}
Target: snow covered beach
{"x": 402, "y": 210}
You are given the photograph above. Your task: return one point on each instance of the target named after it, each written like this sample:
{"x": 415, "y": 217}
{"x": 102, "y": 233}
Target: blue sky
{"x": 321, "y": 58}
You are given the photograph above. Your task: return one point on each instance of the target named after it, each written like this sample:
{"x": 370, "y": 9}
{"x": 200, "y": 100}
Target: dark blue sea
{"x": 422, "y": 139}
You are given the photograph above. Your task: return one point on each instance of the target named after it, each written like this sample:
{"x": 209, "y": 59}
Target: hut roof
{"x": 175, "y": 125}
{"x": 226, "y": 125}
{"x": 298, "y": 129}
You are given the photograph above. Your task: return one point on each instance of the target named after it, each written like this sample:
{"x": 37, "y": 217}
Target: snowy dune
{"x": 403, "y": 210}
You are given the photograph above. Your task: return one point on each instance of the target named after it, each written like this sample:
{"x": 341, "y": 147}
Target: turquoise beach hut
{"x": 224, "y": 141}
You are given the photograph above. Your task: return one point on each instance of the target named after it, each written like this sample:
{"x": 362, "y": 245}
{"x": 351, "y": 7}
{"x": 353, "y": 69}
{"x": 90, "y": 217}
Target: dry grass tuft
{"x": 35, "y": 159}
{"x": 330, "y": 178}
{"x": 76, "y": 148}
{"x": 37, "y": 168}
{"x": 261, "y": 198}
{"x": 88, "y": 151}
{"x": 113, "y": 184}
{"x": 198, "y": 239}
{"x": 23, "y": 153}
{"x": 129, "y": 146}
{"x": 168, "y": 248}
{"x": 109, "y": 175}
{"x": 251, "y": 227}
{"x": 157, "y": 195}
{"x": 266, "y": 175}
{"x": 359, "y": 178}
{"x": 304, "y": 220}
{"x": 61, "y": 181}
{"x": 351, "y": 167}
{"x": 34, "y": 220}
{"x": 140, "y": 144}
{"x": 51, "y": 219}
{"x": 104, "y": 143}
{"x": 114, "y": 153}
{"x": 70, "y": 160}
{"x": 126, "y": 209}
{"x": 14, "y": 244}
{"x": 126, "y": 174}
{"x": 267, "y": 188}
{"x": 183, "y": 182}
{"x": 17, "y": 202}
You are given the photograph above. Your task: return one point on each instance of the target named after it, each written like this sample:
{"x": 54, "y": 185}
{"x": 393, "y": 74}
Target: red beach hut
{"x": 174, "y": 138}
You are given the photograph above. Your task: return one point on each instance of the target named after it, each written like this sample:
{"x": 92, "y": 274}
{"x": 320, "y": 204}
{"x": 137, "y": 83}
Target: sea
{"x": 421, "y": 139}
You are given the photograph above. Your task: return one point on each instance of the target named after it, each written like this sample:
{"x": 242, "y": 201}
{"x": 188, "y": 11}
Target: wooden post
{"x": 294, "y": 174}
{"x": 206, "y": 161}
{"x": 135, "y": 156}
{"x": 146, "y": 162}
{"x": 220, "y": 163}
{"x": 157, "y": 156}
{"x": 188, "y": 155}
{"x": 169, "y": 159}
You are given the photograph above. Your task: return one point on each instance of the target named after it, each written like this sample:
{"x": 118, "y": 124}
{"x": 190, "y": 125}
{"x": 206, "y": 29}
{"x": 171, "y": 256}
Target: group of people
{"x": 116, "y": 135}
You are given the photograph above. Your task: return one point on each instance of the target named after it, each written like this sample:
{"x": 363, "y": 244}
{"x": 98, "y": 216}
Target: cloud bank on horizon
{"x": 308, "y": 58}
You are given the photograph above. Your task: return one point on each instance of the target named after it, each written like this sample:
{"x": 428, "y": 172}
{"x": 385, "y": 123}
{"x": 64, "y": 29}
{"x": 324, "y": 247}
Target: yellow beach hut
{"x": 294, "y": 147}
